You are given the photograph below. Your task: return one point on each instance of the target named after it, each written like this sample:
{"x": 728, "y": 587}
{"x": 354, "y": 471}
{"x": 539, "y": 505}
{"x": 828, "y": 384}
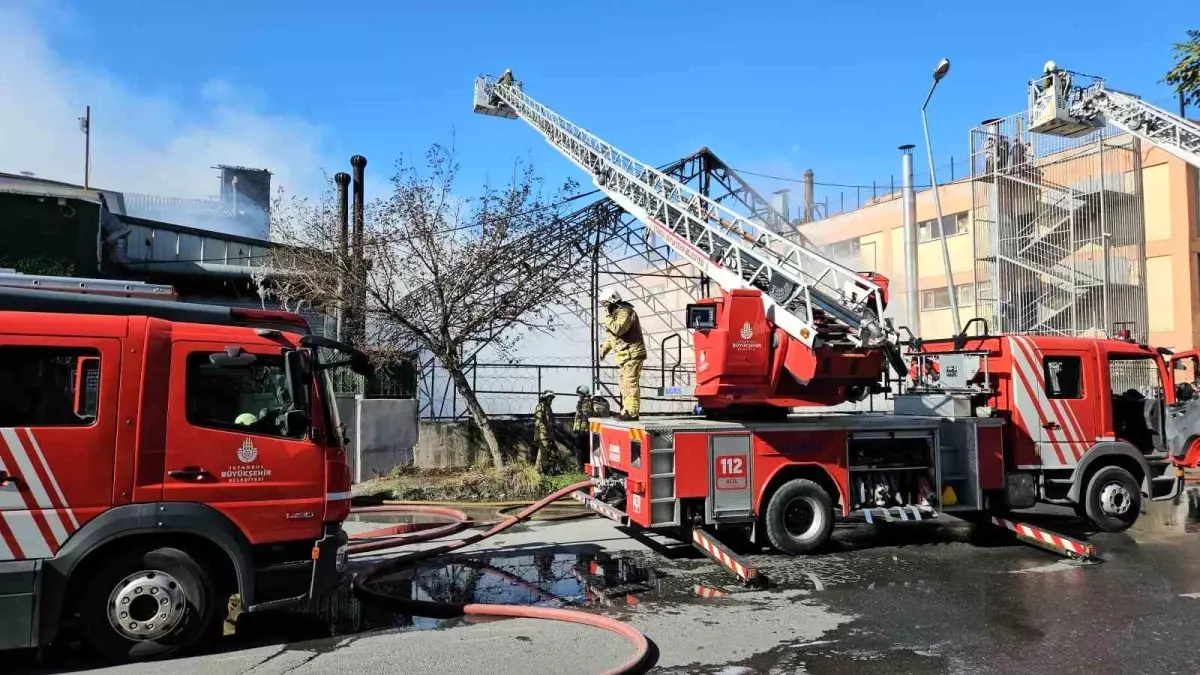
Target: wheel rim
{"x": 803, "y": 518}
{"x": 146, "y": 605}
{"x": 1115, "y": 499}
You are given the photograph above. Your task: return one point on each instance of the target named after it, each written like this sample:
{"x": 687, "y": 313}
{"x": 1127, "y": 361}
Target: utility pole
{"x": 85, "y": 125}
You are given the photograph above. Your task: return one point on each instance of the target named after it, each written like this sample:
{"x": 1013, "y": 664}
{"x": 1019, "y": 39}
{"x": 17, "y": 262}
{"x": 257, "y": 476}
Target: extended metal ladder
{"x": 1061, "y": 109}
{"x": 110, "y": 287}
{"x": 812, "y": 298}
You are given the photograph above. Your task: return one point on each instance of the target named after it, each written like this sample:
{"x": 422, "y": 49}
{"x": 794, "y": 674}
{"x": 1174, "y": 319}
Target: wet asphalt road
{"x": 936, "y": 598}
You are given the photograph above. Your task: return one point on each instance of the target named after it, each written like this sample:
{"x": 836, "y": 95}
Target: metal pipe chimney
{"x": 342, "y": 179}
{"x": 912, "y": 294}
{"x": 808, "y": 195}
{"x": 357, "y": 334}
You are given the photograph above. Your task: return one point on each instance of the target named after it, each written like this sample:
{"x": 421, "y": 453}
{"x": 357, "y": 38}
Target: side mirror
{"x": 233, "y": 357}
{"x": 294, "y": 423}
{"x": 298, "y": 374}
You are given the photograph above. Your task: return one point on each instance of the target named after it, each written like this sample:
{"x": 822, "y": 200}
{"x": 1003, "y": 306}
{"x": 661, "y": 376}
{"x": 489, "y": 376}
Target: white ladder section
{"x": 111, "y": 287}
{"x": 1058, "y": 107}
{"x": 810, "y": 297}
{"x": 1152, "y": 124}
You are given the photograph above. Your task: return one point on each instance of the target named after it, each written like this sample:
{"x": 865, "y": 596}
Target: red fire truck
{"x": 1001, "y": 423}
{"x": 157, "y": 457}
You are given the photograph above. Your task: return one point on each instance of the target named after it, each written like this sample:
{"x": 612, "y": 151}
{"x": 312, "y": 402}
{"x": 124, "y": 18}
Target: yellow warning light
{"x": 804, "y": 333}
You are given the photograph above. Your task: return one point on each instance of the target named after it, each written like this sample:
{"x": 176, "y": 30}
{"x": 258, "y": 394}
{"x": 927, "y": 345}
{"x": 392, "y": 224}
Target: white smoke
{"x": 141, "y": 142}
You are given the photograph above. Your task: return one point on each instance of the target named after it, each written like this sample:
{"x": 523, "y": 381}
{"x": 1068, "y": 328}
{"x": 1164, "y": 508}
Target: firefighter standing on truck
{"x": 624, "y": 339}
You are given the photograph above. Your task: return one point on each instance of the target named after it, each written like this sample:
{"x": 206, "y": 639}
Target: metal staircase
{"x": 812, "y": 298}
{"x": 1058, "y": 235}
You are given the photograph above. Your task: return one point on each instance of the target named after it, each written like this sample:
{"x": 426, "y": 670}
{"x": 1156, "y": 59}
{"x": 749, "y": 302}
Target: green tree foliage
{"x": 1185, "y": 76}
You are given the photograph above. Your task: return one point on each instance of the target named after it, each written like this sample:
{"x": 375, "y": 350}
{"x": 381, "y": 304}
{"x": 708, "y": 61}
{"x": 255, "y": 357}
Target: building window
{"x": 935, "y": 298}
{"x": 955, "y": 223}
{"x": 246, "y": 399}
{"x": 939, "y": 298}
{"x": 1064, "y": 376}
{"x": 49, "y": 386}
{"x": 846, "y": 249}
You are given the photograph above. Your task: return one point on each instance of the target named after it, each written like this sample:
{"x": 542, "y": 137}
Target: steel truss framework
{"x": 659, "y": 283}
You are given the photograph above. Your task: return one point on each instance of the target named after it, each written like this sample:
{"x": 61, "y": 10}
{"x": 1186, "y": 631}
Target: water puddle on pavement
{"x": 1180, "y": 515}
{"x": 549, "y": 579}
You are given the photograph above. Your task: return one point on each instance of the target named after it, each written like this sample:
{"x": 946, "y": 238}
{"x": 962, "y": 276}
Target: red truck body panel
{"x": 274, "y": 489}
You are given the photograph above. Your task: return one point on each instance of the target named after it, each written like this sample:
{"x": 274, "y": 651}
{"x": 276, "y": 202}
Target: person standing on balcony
{"x": 625, "y": 340}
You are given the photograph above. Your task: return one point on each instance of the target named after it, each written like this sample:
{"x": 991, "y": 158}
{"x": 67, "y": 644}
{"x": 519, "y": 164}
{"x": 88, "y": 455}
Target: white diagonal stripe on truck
{"x": 62, "y": 499}
{"x": 27, "y": 533}
{"x": 31, "y": 478}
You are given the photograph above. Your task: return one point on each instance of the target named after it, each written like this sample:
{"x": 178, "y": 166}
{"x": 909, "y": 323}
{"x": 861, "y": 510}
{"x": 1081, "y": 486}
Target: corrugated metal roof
{"x": 41, "y": 187}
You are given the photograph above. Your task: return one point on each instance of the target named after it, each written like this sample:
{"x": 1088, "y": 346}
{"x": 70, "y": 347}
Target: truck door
{"x": 1059, "y": 383}
{"x": 58, "y": 407}
{"x": 1183, "y": 422}
{"x": 226, "y": 448}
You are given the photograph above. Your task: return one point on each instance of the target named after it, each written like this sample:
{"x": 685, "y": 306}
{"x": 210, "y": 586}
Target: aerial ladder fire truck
{"x": 988, "y": 423}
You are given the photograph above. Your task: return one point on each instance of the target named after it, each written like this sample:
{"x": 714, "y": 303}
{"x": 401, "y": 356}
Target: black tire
{"x": 1112, "y": 499}
{"x": 169, "y": 574}
{"x": 799, "y": 517}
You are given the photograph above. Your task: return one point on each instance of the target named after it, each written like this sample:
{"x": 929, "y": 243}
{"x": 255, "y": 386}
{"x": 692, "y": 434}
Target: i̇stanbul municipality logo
{"x": 747, "y": 331}
{"x": 247, "y": 453}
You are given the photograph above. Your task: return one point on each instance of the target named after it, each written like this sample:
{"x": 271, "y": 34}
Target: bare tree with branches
{"x": 443, "y": 274}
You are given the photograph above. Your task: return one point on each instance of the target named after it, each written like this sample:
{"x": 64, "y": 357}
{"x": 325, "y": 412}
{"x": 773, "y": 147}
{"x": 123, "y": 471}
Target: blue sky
{"x": 771, "y": 87}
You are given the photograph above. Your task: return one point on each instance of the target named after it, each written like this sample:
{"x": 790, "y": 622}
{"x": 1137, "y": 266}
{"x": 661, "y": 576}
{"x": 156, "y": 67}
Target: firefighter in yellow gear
{"x": 580, "y": 426}
{"x": 625, "y": 341}
{"x": 543, "y": 428}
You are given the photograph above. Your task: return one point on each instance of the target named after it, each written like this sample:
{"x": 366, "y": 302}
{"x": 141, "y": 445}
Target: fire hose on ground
{"x": 394, "y": 536}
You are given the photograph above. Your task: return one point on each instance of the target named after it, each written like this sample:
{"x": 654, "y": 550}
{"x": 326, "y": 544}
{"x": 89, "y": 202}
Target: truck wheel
{"x": 799, "y": 517}
{"x": 147, "y": 604}
{"x": 1112, "y": 499}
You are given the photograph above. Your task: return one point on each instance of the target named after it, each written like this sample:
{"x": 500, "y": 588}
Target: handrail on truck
{"x": 662, "y": 345}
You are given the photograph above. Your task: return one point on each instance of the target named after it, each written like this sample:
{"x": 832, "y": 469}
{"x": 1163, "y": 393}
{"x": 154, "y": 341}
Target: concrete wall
{"x": 458, "y": 444}
{"x": 385, "y": 435}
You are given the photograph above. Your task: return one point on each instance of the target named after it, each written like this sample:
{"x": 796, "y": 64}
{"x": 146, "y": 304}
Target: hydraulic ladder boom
{"x": 811, "y": 298}
{"x": 1059, "y": 108}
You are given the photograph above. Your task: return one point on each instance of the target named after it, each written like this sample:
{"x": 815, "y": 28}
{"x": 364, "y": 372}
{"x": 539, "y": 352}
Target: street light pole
{"x": 943, "y": 67}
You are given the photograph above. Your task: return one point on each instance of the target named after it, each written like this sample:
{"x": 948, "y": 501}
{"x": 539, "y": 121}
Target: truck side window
{"x": 40, "y": 386}
{"x": 250, "y": 399}
{"x": 1064, "y": 376}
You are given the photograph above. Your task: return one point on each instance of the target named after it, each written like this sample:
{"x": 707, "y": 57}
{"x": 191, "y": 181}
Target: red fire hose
{"x": 394, "y": 536}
